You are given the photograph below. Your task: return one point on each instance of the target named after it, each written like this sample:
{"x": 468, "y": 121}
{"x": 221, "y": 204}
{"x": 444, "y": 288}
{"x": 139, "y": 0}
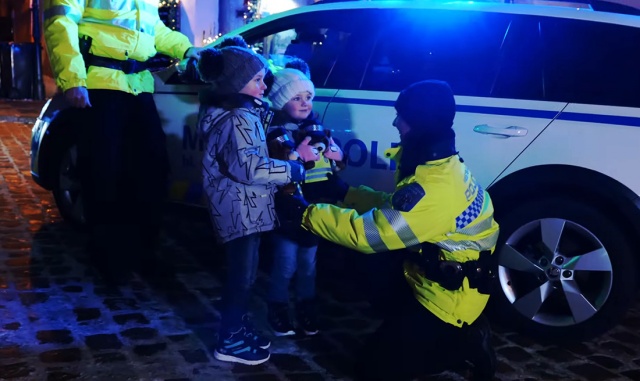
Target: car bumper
{"x": 38, "y": 131}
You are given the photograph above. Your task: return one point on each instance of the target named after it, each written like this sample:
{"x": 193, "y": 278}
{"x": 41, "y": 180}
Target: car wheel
{"x": 67, "y": 191}
{"x": 566, "y": 271}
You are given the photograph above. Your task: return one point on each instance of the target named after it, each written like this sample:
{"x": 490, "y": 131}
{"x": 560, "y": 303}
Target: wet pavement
{"x": 59, "y": 322}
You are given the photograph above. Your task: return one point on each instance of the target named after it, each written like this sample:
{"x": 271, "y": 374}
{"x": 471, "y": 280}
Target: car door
{"x": 478, "y": 54}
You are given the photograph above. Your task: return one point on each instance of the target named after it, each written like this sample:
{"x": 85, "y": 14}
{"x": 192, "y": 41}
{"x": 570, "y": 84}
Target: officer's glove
{"x": 290, "y": 208}
{"x": 190, "y": 72}
{"x": 336, "y": 188}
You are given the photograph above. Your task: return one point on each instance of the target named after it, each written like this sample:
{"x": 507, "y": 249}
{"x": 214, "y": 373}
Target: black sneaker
{"x": 236, "y": 348}
{"x": 280, "y": 319}
{"x": 307, "y": 317}
{"x": 480, "y": 352}
{"x": 252, "y": 334}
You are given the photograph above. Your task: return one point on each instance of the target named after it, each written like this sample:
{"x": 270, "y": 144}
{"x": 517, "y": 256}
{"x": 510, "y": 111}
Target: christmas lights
{"x": 210, "y": 39}
{"x": 251, "y": 11}
{"x": 169, "y": 11}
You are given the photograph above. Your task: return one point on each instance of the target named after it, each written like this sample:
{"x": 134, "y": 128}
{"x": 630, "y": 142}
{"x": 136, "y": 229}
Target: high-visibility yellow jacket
{"x": 442, "y": 204}
{"x": 120, "y": 29}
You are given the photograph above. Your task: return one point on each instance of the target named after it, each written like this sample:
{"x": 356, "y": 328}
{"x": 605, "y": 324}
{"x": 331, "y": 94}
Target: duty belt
{"x": 481, "y": 273}
{"x": 128, "y": 66}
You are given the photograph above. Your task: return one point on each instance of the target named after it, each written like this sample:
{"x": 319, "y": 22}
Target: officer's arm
{"x": 363, "y": 198}
{"x": 377, "y": 230}
{"x": 61, "y": 19}
{"x": 170, "y": 42}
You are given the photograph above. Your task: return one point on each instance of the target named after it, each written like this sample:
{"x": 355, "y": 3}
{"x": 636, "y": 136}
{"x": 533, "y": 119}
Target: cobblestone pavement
{"x": 58, "y": 321}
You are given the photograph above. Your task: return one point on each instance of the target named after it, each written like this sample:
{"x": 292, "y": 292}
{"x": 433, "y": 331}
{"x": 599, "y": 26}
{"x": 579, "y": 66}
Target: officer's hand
{"x": 336, "y": 188}
{"x": 290, "y": 208}
{"x": 77, "y": 97}
{"x": 193, "y": 52}
{"x": 333, "y": 152}
{"x": 306, "y": 151}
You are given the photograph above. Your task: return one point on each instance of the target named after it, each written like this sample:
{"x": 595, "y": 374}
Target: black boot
{"x": 280, "y": 319}
{"x": 480, "y": 353}
{"x": 146, "y": 259}
{"x": 307, "y": 316}
{"x": 106, "y": 256}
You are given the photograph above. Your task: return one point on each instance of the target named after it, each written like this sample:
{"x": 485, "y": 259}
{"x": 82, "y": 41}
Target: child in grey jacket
{"x": 240, "y": 180}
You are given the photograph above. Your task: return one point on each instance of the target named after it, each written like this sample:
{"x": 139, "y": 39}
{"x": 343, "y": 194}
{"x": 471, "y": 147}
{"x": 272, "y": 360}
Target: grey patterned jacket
{"x": 239, "y": 178}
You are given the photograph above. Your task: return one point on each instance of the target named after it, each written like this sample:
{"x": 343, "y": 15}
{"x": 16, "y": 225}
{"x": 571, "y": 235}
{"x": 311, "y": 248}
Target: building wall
{"x": 199, "y": 19}
{"x": 229, "y": 19}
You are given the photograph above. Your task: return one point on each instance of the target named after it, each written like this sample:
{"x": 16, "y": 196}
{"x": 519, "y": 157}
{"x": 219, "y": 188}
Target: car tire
{"x": 566, "y": 270}
{"x": 67, "y": 190}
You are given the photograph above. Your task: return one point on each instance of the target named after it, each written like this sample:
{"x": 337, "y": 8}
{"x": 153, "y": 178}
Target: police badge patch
{"x": 407, "y": 197}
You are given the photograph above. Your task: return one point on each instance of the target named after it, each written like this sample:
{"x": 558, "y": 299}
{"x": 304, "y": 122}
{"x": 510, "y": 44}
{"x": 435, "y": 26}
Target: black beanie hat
{"x": 229, "y": 69}
{"x": 428, "y": 107}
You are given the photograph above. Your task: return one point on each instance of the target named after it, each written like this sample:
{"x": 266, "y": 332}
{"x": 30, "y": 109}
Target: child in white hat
{"x": 294, "y": 248}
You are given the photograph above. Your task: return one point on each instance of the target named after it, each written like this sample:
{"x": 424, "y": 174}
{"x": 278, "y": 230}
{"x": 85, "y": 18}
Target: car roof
{"x": 540, "y": 8}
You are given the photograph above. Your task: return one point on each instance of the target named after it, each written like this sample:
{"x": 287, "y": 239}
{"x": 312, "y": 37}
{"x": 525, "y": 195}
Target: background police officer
{"x": 98, "y": 52}
{"x": 440, "y": 214}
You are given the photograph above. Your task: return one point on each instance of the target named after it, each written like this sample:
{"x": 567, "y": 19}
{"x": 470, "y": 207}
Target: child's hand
{"x": 307, "y": 152}
{"x": 333, "y": 152}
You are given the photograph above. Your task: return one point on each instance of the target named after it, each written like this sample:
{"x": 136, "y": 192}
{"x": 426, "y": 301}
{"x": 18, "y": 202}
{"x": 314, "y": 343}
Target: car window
{"x": 591, "y": 62}
{"x": 520, "y": 63}
{"x": 318, "y": 38}
{"x": 349, "y": 69}
{"x": 460, "y": 47}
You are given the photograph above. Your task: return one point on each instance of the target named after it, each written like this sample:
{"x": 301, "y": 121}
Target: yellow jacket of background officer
{"x": 441, "y": 204}
{"x": 123, "y": 29}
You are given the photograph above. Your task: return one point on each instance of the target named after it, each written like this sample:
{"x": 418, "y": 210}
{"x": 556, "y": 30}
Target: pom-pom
{"x": 233, "y": 41}
{"x": 210, "y": 65}
{"x": 298, "y": 64}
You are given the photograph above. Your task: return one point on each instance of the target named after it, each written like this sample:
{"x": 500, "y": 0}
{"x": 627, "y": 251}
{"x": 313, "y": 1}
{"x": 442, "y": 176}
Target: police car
{"x": 548, "y": 121}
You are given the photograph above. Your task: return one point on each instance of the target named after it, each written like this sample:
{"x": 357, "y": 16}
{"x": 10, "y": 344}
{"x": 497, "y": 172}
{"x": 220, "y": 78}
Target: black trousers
{"x": 411, "y": 341}
{"x": 123, "y": 167}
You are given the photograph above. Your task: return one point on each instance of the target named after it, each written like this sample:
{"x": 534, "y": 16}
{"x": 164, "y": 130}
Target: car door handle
{"x": 507, "y": 132}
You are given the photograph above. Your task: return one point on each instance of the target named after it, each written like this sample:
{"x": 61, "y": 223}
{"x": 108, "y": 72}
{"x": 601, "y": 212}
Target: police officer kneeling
{"x": 439, "y": 222}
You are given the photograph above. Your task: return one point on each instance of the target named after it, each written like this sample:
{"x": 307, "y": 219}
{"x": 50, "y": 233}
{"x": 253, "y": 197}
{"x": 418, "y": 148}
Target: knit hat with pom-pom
{"x": 229, "y": 69}
{"x": 233, "y": 41}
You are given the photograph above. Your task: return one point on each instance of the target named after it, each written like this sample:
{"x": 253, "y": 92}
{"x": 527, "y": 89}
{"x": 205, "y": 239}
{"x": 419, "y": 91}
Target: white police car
{"x": 548, "y": 120}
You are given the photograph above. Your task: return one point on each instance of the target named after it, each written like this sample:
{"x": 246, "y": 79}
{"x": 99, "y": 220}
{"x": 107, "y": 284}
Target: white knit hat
{"x": 287, "y": 84}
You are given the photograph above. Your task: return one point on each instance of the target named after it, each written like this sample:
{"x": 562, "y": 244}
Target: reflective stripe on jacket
{"x": 441, "y": 204}
{"x": 320, "y": 171}
{"x": 119, "y": 29}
